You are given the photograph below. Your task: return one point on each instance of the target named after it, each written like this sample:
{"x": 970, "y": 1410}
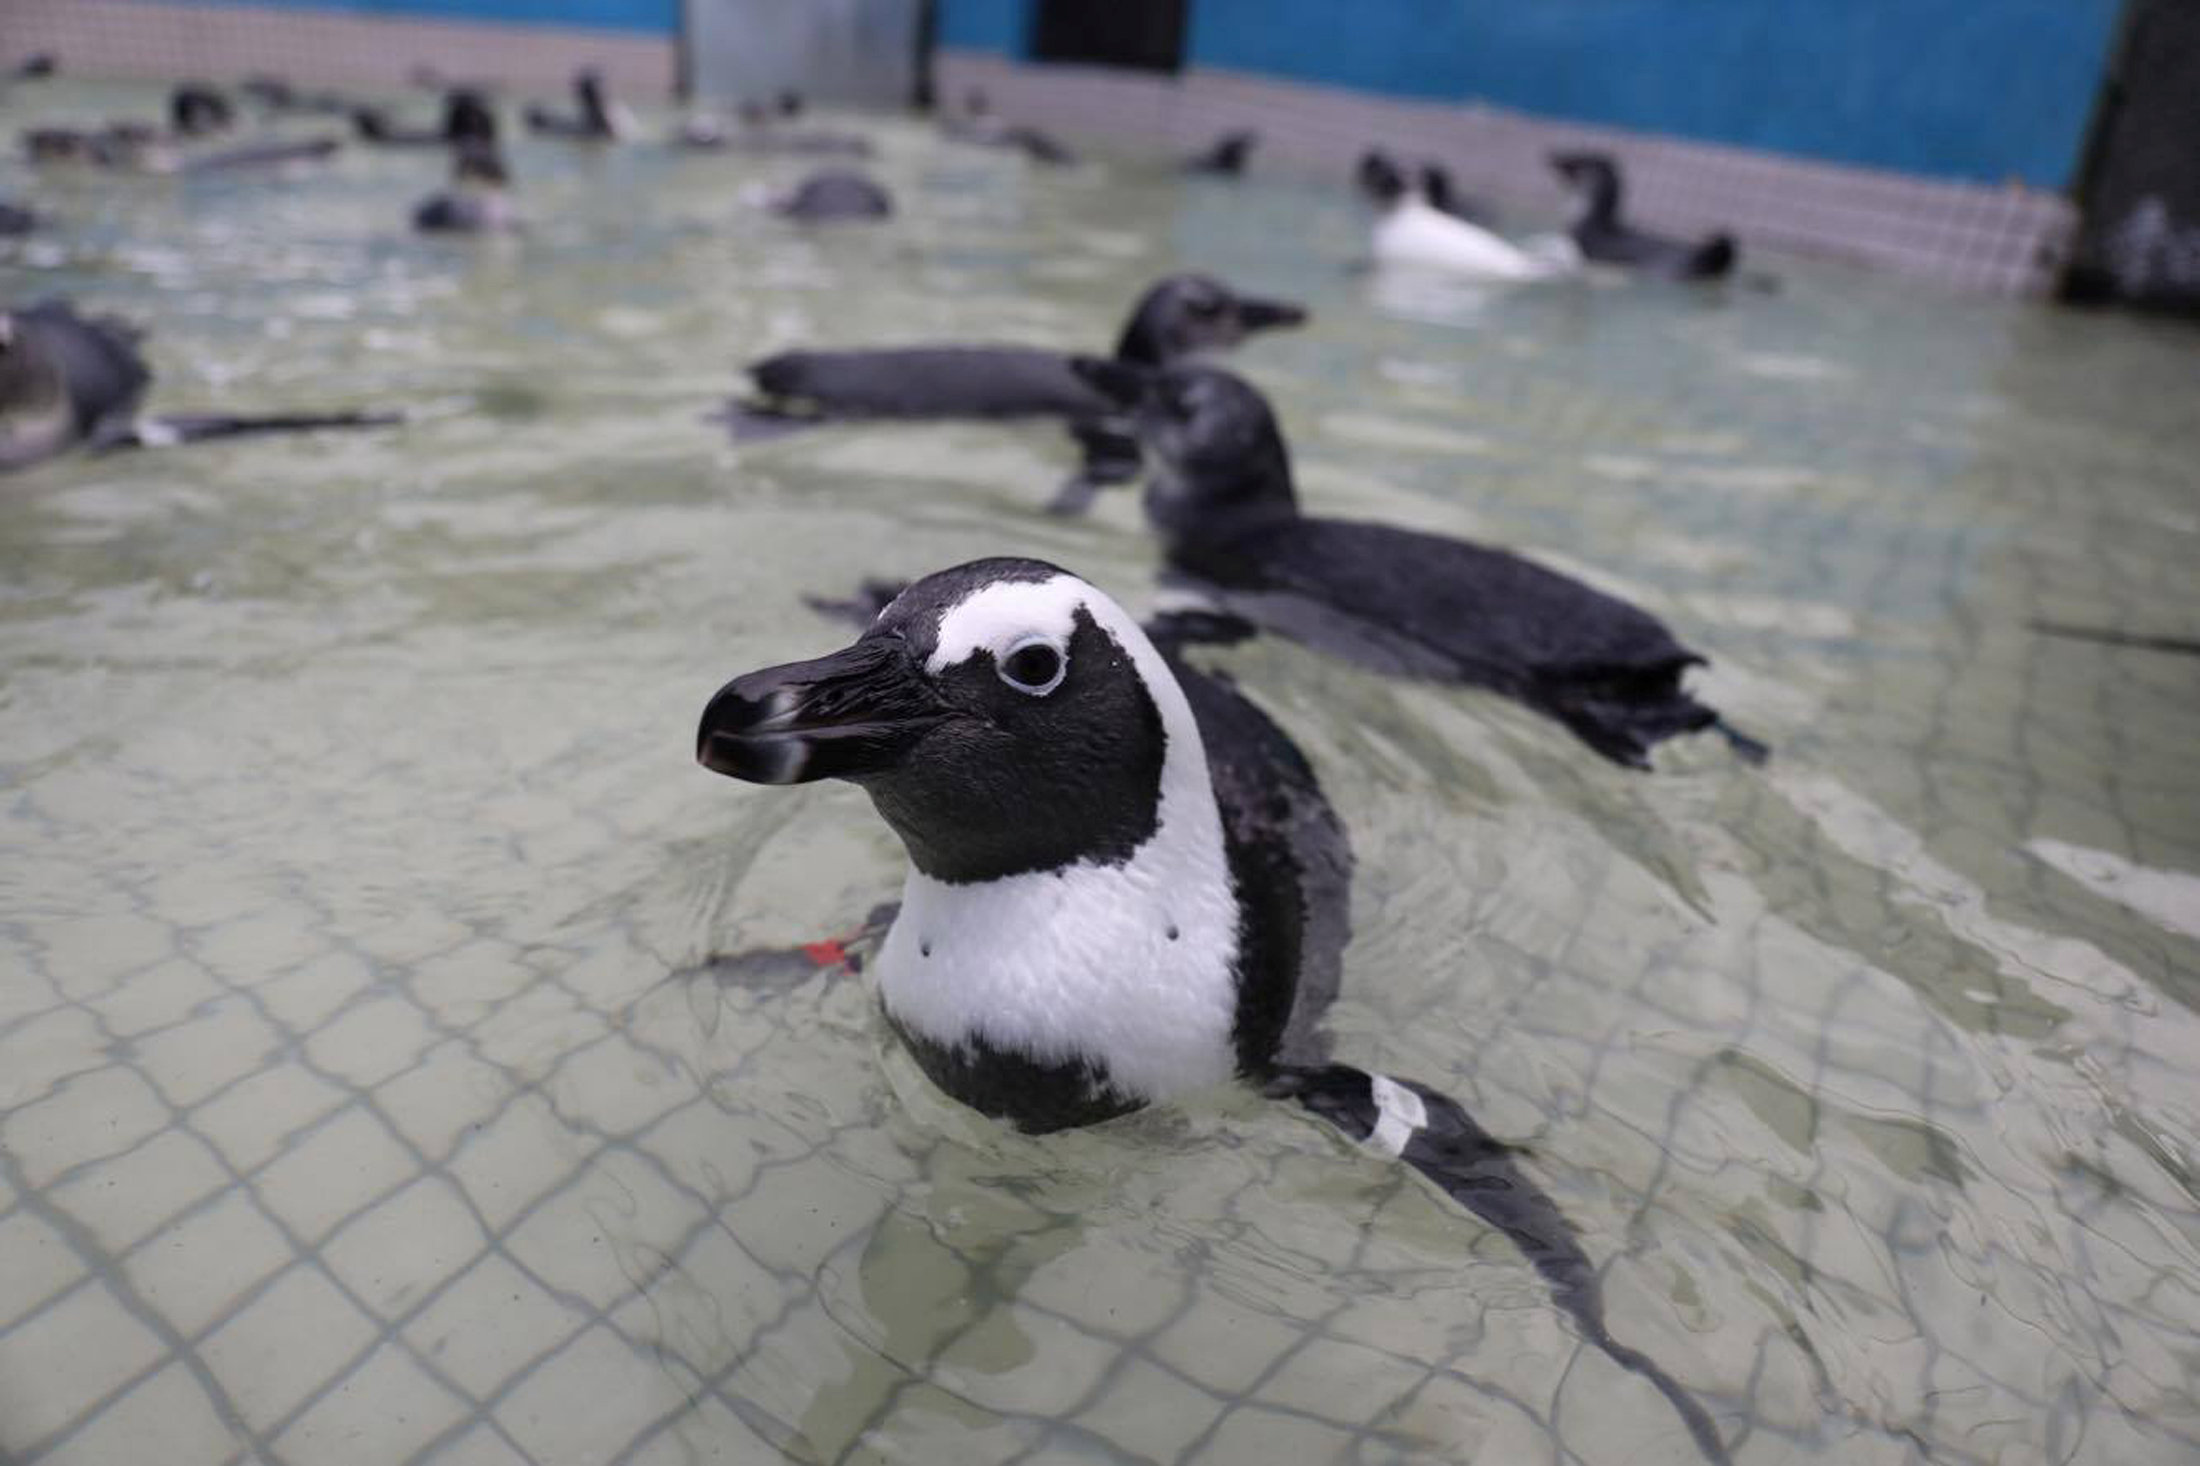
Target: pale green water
{"x": 350, "y": 1108}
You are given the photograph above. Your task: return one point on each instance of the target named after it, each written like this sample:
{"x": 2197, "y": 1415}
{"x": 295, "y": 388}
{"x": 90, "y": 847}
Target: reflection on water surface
{"x": 360, "y": 1096}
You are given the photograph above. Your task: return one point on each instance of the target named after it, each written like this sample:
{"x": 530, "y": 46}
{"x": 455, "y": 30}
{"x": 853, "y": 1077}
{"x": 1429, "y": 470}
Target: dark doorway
{"x": 1145, "y": 34}
{"x": 2139, "y": 191}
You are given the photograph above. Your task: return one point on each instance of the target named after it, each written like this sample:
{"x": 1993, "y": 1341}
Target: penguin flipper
{"x": 161, "y": 432}
{"x": 1435, "y": 1136}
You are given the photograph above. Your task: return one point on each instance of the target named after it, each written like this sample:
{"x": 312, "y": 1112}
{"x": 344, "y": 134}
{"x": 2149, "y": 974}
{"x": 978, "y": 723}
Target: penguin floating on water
{"x": 834, "y": 196}
{"x": 1413, "y": 231}
{"x": 479, "y": 200}
{"x": 1228, "y": 157}
{"x": 599, "y": 119}
{"x": 1177, "y": 317}
{"x": 67, "y": 379}
{"x": 1396, "y": 600}
{"x": 1606, "y": 238}
{"x": 1125, "y": 885}
{"x": 467, "y": 117}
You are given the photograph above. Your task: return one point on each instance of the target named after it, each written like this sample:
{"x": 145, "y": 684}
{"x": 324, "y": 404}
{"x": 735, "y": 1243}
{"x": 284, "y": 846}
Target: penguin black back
{"x": 1602, "y": 234}
{"x": 1397, "y": 600}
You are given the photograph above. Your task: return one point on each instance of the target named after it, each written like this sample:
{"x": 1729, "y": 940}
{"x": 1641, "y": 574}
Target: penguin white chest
{"x": 1130, "y": 966}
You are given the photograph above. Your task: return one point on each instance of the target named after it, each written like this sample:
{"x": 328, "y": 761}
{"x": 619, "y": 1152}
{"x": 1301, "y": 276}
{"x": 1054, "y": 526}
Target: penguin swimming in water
{"x": 599, "y": 119}
{"x": 197, "y": 114}
{"x": 978, "y": 125}
{"x": 479, "y": 200}
{"x": 1413, "y": 231}
{"x": 1125, "y": 885}
{"x": 1396, "y": 600}
{"x": 67, "y": 379}
{"x": 833, "y": 196}
{"x": 1176, "y": 317}
{"x": 1608, "y": 239}
{"x": 467, "y": 117}
{"x": 1229, "y": 155}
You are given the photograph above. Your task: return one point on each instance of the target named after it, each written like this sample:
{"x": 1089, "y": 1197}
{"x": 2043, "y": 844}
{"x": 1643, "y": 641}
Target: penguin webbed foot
{"x": 778, "y": 969}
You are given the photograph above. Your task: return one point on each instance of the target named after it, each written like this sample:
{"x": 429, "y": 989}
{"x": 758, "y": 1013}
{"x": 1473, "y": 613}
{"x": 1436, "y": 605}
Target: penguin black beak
{"x": 847, "y": 716}
{"x": 1264, "y": 315}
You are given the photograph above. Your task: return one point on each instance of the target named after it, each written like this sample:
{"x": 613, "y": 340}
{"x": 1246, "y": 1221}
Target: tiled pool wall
{"x": 2002, "y": 239}
{"x": 1935, "y": 141}
{"x": 536, "y": 44}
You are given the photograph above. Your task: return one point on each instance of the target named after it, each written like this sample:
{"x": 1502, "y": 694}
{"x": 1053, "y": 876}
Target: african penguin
{"x": 1178, "y": 316}
{"x": 1603, "y": 236}
{"x": 599, "y": 118}
{"x": 1125, "y": 885}
{"x": 67, "y": 379}
{"x": 1412, "y": 231}
{"x": 1397, "y": 600}
{"x": 834, "y": 195}
{"x": 479, "y": 199}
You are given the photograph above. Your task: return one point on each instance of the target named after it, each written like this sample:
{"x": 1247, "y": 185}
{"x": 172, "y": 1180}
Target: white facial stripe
{"x": 1400, "y": 1116}
{"x": 1131, "y": 964}
{"x": 1006, "y": 612}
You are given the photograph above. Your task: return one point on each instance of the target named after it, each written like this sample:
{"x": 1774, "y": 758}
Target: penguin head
{"x": 195, "y": 108}
{"x": 1183, "y": 315}
{"x": 1592, "y": 176}
{"x": 1219, "y": 456}
{"x": 1232, "y": 150}
{"x": 1380, "y": 179}
{"x": 467, "y": 116}
{"x": 1004, "y": 716}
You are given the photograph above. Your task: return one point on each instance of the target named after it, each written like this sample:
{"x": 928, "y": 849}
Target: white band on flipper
{"x": 1399, "y": 1115}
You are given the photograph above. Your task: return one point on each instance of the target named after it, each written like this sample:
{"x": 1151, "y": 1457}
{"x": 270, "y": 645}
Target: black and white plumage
{"x": 1177, "y": 317}
{"x": 1606, "y": 238}
{"x": 1411, "y": 229}
{"x": 1125, "y": 883}
{"x": 1397, "y": 600}
{"x": 67, "y": 379}
{"x": 479, "y": 199}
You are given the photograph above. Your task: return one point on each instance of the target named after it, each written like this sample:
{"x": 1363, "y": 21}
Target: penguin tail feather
{"x": 1436, "y": 1137}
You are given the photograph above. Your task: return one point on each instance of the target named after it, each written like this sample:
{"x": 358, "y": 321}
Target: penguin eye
{"x": 1034, "y": 666}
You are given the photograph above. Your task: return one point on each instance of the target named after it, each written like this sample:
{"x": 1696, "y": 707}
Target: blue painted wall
{"x": 985, "y": 25}
{"x": 1975, "y": 89}
{"x": 654, "y": 17}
